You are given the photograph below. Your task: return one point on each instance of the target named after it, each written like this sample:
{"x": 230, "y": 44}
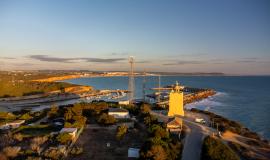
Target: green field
{"x": 20, "y": 84}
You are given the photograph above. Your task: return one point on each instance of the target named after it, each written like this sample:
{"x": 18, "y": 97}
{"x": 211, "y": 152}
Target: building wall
{"x": 176, "y": 105}
{"x": 119, "y": 114}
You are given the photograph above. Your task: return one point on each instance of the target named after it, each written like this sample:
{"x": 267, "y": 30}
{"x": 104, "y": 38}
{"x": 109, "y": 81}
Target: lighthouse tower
{"x": 176, "y": 101}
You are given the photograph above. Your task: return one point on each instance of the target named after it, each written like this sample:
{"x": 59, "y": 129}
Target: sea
{"x": 245, "y": 99}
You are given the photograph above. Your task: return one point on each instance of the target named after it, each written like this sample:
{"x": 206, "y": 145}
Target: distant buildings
{"x": 118, "y": 113}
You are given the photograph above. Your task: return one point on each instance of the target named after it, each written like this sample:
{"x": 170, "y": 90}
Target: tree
{"x": 64, "y": 138}
{"x": 53, "y": 112}
{"x": 145, "y": 108}
{"x": 18, "y": 137}
{"x": 11, "y": 151}
{"x": 106, "y": 119}
{"x": 36, "y": 142}
{"x": 214, "y": 149}
{"x": 121, "y": 131}
{"x": 26, "y": 116}
{"x": 158, "y": 131}
{"x": 156, "y": 152}
{"x": 149, "y": 120}
{"x": 68, "y": 114}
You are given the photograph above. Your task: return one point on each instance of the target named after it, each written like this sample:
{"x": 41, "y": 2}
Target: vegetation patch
{"x": 214, "y": 149}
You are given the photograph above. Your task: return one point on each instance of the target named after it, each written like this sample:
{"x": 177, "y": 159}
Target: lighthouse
{"x": 176, "y": 101}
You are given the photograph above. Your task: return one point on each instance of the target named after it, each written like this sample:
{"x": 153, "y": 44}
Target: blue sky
{"x": 230, "y": 36}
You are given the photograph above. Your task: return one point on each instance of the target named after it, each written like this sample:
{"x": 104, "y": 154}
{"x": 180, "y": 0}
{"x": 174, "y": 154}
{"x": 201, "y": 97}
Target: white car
{"x": 200, "y": 120}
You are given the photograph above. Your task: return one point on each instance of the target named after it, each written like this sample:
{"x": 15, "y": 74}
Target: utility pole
{"x": 131, "y": 82}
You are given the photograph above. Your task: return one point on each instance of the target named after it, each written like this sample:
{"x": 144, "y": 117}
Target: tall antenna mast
{"x": 144, "y": 82}
{"x": 131, "y": 83}
{"x": 159, "y": 88}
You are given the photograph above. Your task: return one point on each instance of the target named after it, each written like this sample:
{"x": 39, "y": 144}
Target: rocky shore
{"x": 198, "y": 95}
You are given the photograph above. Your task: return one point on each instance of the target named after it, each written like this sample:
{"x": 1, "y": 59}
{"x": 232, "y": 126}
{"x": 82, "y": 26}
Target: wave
{"x": 208, "y": 103}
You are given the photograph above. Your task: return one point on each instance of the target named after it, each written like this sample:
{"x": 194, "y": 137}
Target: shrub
{"x": 53, "y": 153}
{"x": 214, "y": 149}
{"x": 64, "y": 138}
{"x": 106, "y": 119}
{"x": 36, "y": 142}
{"x": 145, "y": 108}
{"x": 26, "y": 116}
{"x": 33, "y": 158}
{"x": 150, "y": 120}
{"x": 53, "y": 112}
{"x": 156, "y": 152}
{"x": 11, "y": 151}
{"x": 121, "y": 131}
{"x": 18, "y": 137}
{"x": 76, "y": 150}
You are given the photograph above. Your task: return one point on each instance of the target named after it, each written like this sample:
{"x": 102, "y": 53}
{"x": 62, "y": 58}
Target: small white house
{"x": 123, "y": 102}
{"x": 175, "y": 125}
{"x": 4, "y": 126}
{"x": 133, "y": 153}
{"x": 71, "y": 131}
{"x": 16, "y": 123}
{"x": 119, "y": 113}
{"x": 13, "y": 124}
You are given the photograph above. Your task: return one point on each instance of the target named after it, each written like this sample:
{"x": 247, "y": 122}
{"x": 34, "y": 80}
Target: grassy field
{"x": 21, "y": 84}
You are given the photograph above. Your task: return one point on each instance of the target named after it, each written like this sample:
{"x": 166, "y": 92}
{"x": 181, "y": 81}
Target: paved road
{"x": 193, "y": 142}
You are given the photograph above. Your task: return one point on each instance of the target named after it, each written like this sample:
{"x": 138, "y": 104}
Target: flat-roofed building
{"x": 71, "y": 131}
{"x": 118, "y": 113}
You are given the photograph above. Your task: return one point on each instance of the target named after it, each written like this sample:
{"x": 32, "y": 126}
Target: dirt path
{"x": 254, "y": 151}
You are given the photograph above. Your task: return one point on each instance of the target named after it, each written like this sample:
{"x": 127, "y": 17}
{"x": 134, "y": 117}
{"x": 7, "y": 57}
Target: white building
{"x": 175, "y": 125}
{"x": 13, "y": 124}
{"x": 119, "y": 113}
{"x": 71, "y": 131}
{"x": 133, "y": 153}
{"x": 123, "y": 102}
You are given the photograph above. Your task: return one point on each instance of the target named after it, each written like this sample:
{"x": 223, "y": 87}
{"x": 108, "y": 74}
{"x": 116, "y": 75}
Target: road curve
{"x": 193, "y": 142}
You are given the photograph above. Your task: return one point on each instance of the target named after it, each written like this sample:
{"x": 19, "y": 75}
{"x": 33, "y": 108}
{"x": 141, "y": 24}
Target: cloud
{"x": 50, "y": 59}
{"x": 111, "y": 60}
{"x": 184, "y": 63}
{"x": 119, "y": 54}
{"x": 7, "y": 58}
{"x": 47, "y": 58}
{"x": 143, "y": 61}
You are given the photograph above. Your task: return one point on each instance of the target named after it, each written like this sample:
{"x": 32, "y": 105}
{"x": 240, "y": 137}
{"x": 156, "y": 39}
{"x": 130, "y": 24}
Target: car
{"x": 200, "y": 120}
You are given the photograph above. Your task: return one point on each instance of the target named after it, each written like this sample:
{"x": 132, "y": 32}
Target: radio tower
{"x": 144, "y": 81}
{"x": 131, "y": 85}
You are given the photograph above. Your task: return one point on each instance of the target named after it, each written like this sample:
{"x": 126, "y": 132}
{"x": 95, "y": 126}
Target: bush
{"x": 26, "y": 116}
{"x": 36, "y": 142}
{"x": 53, "y": 153}
{"x": 11, "y": 151}
{"x": 64, "y": 138}
{"x": 121, "y": 131}
{"x": 76, "y": 150}
{"x": 18, "y": 137}
{"x": 156, "y": 152}
{"x": 214, "y": 149}
{"x": 150, "y": 120}
{"x": 33, "y": 158}
{"x": 106, "y": 119}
